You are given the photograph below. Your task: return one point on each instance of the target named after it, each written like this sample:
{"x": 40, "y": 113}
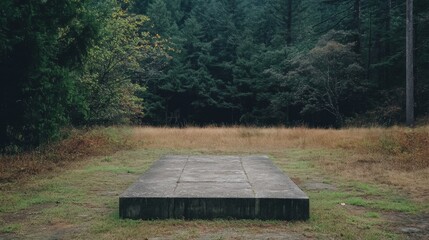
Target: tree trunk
{"x": 410, "y": 65}
{"x": 368, "y": 73}
{"x": 387, "y": 51}
{"x": 356, "y": 23}
{"x": 289, "y": 23}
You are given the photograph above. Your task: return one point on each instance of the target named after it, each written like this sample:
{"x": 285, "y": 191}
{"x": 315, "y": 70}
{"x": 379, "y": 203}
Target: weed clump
{"x": 403, "y": 149}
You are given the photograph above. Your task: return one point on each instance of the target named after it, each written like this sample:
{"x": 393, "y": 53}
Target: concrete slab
{"x": 208, "y": 187}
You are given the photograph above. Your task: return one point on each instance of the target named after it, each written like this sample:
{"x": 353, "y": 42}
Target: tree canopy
{"x": 177, "y": 62}
{"x": 265, "y": 62}
{"x": 68, "y": 63}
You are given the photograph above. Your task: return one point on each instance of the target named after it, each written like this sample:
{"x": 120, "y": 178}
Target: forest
{"x": 318, "y": 63}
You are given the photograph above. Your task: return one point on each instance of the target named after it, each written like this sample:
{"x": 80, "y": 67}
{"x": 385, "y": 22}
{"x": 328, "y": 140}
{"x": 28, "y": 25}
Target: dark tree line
{"x": 321, "y": 63}
{"x": 177, "y": 62}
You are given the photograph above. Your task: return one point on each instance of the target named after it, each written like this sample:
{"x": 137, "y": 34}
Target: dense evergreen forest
{"x": 314, "y": 62}
{"x": 323, "y": 63}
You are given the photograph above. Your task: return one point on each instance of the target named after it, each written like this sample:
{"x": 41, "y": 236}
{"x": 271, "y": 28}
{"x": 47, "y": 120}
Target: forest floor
{"x": 363, "y": 183}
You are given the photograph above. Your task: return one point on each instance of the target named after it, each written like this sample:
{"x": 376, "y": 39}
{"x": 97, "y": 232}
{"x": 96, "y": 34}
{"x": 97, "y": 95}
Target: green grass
{"x": 112, "y": 169}
{"x": 85, "y": 198}
{"x": 372, "y": 215}
{"x": 328, "y": 215}
{"x": 21, "y": 201}
{"x": 356, "y": 201}
{"x": 379, "y": 198}
{"x": 12, "y": 228}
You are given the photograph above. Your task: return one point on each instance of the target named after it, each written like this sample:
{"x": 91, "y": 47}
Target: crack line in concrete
{"x": 247, "y": 177}
{"x": 183, "y": 169}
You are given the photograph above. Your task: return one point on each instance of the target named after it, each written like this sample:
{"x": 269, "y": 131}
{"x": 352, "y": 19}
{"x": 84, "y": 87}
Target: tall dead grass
{"x": 410, "y": 146}
{"x": 252, "y": 139}
{"x": 402, "y": 148}
{"x": 396, "y": 156}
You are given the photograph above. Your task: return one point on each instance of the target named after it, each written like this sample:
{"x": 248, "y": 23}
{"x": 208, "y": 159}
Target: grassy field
{"x": 362, "y": 183}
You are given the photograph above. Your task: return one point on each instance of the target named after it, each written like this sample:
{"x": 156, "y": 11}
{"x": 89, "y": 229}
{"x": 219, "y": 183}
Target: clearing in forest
{"x": 363, "y": 183}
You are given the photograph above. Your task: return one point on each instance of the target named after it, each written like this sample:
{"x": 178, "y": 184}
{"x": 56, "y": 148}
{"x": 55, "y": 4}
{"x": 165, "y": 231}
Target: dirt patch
{"x": 57, "y": 230}
{"x": 21, "y": 216}
{"x": 268, "y": 235}
{"x": 8, "y": 236}
{"x": 234, "y": 234}
{"x": 411, "y": 226}
{"x": 315, "y": 186}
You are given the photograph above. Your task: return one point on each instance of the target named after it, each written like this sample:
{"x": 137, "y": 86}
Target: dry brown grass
{"x": 81, "y": 202}
{"x": 80, "y": 145}
{"x": 252, "y": 139}
{"x": 395, "y": 156}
